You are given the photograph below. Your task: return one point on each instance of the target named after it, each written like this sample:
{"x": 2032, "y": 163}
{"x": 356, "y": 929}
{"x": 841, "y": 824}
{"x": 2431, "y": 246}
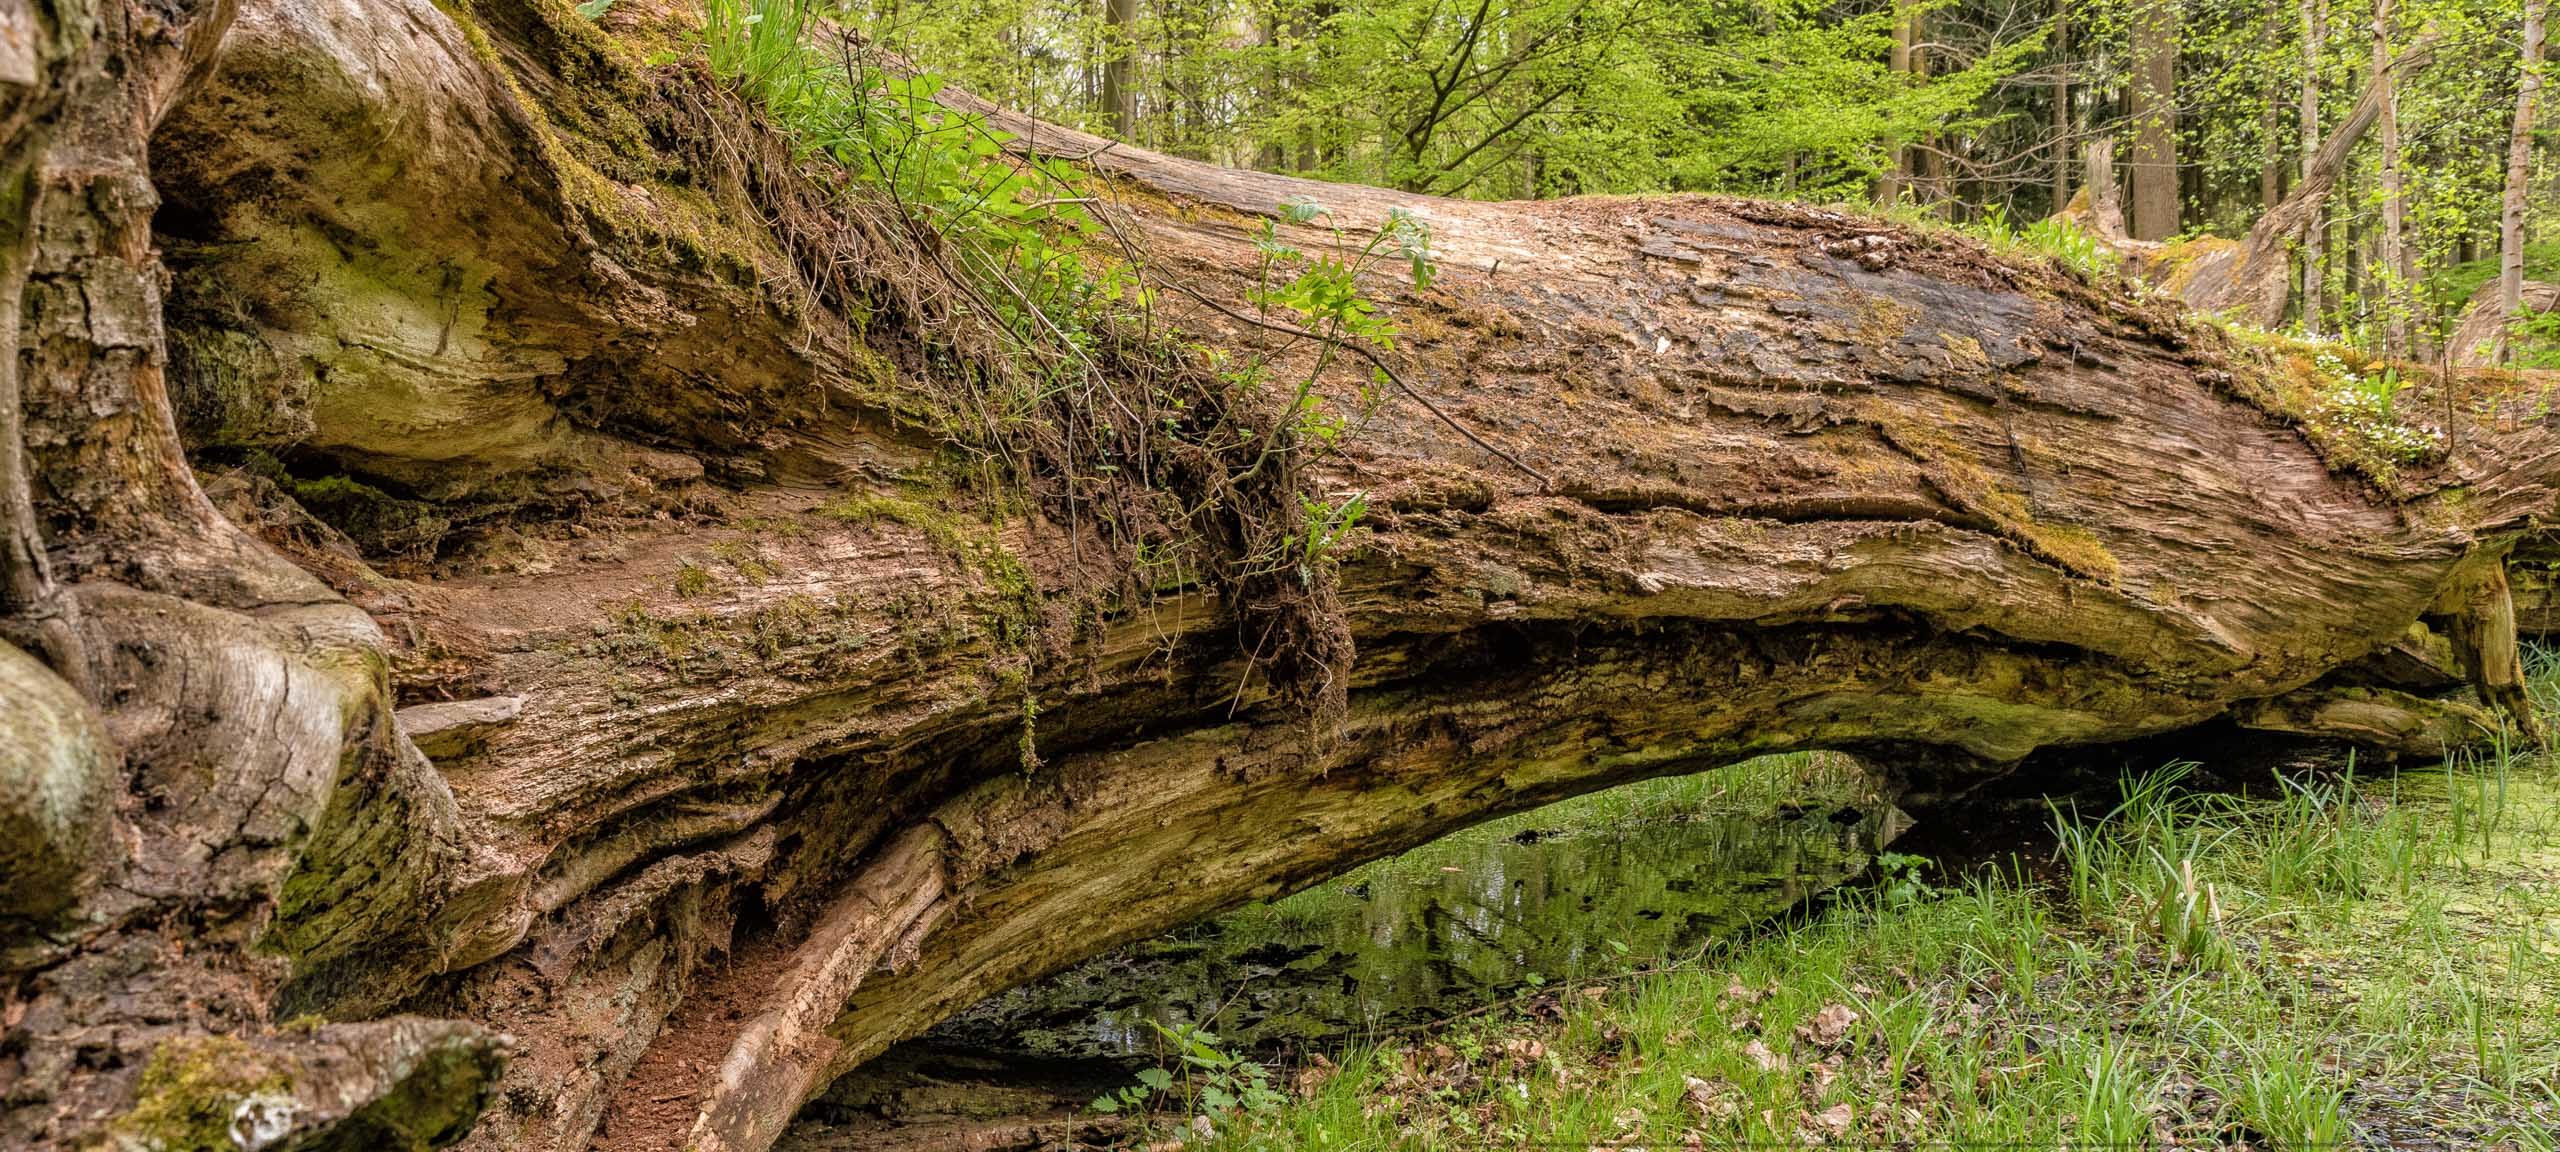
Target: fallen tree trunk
{"x": 2480, "y": 333}
{"x": 609, "y": 667}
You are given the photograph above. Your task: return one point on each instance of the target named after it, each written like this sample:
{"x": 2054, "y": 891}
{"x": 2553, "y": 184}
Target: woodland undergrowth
{"x": 2334, "y": 958}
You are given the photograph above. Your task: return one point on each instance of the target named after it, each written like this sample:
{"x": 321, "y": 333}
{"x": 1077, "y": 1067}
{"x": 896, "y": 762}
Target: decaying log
{"x": 517, "y": 388}
{"x": 2098, "y": 208}
{"x": 2480, "y": 335}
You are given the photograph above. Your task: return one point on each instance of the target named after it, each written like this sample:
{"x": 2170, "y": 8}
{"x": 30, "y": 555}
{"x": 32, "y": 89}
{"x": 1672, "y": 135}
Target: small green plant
{"x": 2314, "y": 840}
{"x": 1152, "y": 1083}
{"x": 2361, "y": 404}
{"x": 2533, "y": 338}
{"x": 1323, "y": 526}
{"x": 2114, "y": 1097}
{"x": 1214, "y": 1081}
{"x": 2186, "y": 912}
{"x": 2284, "y": 1098}
{"x": 2069, "y": 246}
{"x": 1323, "y": 302}
{"x": 1900, "y": 880}
{"x": 2052, "y": 238}
{"x": 692, "y": 580}
{"x": 2143, "y": 856}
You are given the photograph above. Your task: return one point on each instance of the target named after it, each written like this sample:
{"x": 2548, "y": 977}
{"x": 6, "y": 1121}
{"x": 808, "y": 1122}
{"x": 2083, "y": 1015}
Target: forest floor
{"x": 2339, "y": 960}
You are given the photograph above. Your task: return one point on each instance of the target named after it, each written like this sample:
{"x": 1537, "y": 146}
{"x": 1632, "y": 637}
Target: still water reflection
{"x": 1548, "y": 896}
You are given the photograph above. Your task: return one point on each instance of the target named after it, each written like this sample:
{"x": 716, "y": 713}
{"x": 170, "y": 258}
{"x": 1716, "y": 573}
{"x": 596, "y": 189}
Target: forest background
{"x": 1977, "y": 112}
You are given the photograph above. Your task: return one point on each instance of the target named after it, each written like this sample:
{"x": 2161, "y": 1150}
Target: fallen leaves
{"x": 1311, "y": 1077}
{"x": 1711, "y": 1099}
{"x": 1828, "y": 1027}
{"x": 1830, "y": 1123}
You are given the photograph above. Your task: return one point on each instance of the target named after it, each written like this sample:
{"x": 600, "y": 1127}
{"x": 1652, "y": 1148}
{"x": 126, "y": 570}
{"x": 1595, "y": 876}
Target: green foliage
{"x": 2137, "y": 866}
{"x": 1057, "y": 377}
{"x": 2052, "y": 238}
{"x": 1796, "y": 98}
{"x": 2004, "y": 1012}
{"x": 1545, "y": 97}
{"x": 1016, "y": 224}
{"x": 1323, "y": 526}
{"x": 1901, "y": 880}
{"x": 1214, "y": 1081}
{"x": 2360, "y": 403}
{"x": 2534, "y": 338}
{"x": 2453, "y": 286}
{"x": 2286, "y": 1098}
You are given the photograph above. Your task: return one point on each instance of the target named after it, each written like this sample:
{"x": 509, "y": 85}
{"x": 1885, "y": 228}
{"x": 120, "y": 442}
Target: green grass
{"x": 2350, "y": 958}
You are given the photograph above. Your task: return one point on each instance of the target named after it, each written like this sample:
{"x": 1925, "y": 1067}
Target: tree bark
{"x": 2061, "y": 129}
{"x": 1119, "y": 89}
{"x": 550, "y": 625}
{"x": 2313, "y": 232}
{"x": 2271, "y": 164}
{"x": 2511, "y": 213}
{"x": 2155, "y": 121}
{"x": 2106, "y": 202}
{"x": 2397, "y": 272}
{"x": 1897, "y": 174}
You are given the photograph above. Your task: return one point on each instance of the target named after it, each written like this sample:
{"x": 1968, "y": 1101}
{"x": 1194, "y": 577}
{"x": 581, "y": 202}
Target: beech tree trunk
{"x": 1119, "y": 88}
{"x": 2312, "y": 229}
{"x": 2154, "y": 178}
{"x": 2397, "y": 271}
{"x": 1898, "y": 61}
{"x": 510, "y": 584}
{"x": 2519, "y": 166}
{"x": 2060, "y": 53}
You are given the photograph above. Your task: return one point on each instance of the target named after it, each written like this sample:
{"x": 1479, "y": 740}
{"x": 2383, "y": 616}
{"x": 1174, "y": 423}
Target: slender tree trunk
{"x": 1273, "y": 156}
{"x": 2519, "y": 166}
{"x": 1119, "y": 93}
{"x": 2155, "y": 120}
{"x": 2356, "y": 288}
{"x": 1932, "y": 174}
{"x": 2395, "y": 269}
{"x": 2271, "y": 164}
{"x": 2314, "y": 233}
{"x": 1897, "y": 172}
{"x": 2061, "y": 56}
